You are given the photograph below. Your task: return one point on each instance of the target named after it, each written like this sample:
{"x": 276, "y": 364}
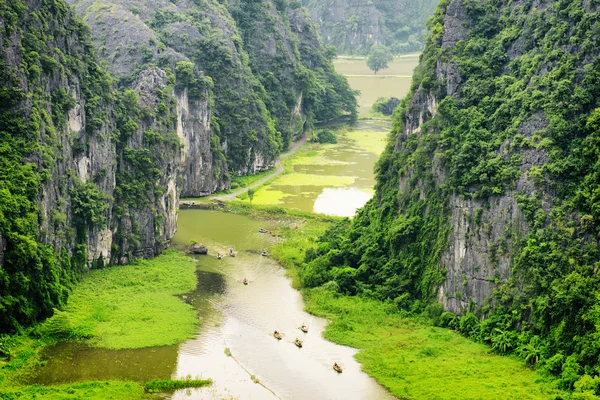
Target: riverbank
{"x": 122, "y": 307}
{"x": 404, "y": 352}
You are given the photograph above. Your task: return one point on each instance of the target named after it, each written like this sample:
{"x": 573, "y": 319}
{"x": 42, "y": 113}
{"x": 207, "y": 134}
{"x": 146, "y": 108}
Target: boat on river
{"x": 304, "y": 328}
{"x": 337, "y": 368}
{"x": 261, "y": 230}
{"x": 245, "y": 281}
{"x": 298, "y": 342}
{"x": 277, "y": 335}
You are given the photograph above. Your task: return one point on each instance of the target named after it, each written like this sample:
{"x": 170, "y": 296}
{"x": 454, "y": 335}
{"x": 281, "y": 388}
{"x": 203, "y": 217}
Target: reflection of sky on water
{"x": 342, "y": 202}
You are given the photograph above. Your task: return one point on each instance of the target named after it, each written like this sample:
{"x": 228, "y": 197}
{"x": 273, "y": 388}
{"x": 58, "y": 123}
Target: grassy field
{"x": 130, "y": 307}
{"x": 122, "y": 307}
{"x": 391, "y": 82}
{"x": 403, "y": 352}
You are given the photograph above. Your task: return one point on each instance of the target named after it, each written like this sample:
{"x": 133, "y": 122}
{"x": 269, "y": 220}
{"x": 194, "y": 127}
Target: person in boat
{"x": 262, "y": 230}
{"x": 245, "y": 280}
{"x": 219, "y": 256}
{"x": 335, "y": 365}
{"x": 275, "y": 333}
{"x": 230, "y": 250}
{"x": 264, "y": 253}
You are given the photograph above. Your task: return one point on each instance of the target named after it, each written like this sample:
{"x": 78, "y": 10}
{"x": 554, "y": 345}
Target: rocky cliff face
{"x": 94, "y": 164}
{"x": 353, "y": 26}
{"x": 260, "y": 88}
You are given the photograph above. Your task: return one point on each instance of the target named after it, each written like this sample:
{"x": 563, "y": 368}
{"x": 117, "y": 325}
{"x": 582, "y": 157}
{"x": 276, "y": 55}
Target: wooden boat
{"x": 337, "y": 368}
{"x": 233, "y": 253}
{"x": 277, "y": 335}
{"x": 298, "y": 342}
{"x": 264, "y": 254}
{"x": 245, "y": 281}
{"x": 304, "y": 328}
{"x": 261, "y": 230}
{"x": 219, "y": 256}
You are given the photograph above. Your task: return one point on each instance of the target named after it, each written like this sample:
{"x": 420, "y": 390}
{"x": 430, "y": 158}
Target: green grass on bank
{"x": 415, "y": 360}
{"x": 405, "y": 353}
{"x": 132, "y": 306}
{"x": 113, "y": 390}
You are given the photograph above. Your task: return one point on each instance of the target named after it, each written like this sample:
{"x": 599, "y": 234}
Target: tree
{"x": 379, "y": 57}
{"x": 251, "y": 194}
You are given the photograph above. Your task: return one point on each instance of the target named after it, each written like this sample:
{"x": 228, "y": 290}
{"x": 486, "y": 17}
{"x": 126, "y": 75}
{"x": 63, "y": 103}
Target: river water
{"x": 235, "y": 317}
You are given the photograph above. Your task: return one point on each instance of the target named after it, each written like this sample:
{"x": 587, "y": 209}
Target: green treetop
{"x": 379, "y": 57}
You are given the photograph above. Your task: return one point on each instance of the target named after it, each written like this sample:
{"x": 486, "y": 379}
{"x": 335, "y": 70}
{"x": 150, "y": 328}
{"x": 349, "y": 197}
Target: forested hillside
{"x": 93, "y": 161}
{"x": 353, "y": 26}
{"x": 487, "y": 197}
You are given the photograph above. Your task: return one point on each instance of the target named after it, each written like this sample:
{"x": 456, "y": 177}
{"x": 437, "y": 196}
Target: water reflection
{"x": 341, "y": 202}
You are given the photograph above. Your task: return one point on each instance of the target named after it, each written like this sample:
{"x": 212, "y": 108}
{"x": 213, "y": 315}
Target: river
{"x": 235, "y": 317}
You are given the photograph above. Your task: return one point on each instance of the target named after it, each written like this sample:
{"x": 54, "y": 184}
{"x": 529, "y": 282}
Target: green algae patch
{"x": 369, "y": 141}
{"x": 314, "y": 180}
{"x": 132, "y": 306}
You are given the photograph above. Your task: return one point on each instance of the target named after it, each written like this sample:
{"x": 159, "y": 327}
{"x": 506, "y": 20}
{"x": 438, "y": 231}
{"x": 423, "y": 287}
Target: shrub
{"x": 326, "y": 136}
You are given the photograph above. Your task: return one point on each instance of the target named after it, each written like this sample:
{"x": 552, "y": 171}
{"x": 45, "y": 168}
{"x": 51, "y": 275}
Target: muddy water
{"x": 235, "y": 317}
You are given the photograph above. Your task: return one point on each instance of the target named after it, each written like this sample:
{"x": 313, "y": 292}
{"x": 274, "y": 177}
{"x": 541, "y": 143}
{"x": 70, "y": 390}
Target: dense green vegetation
{"x": 34, "y": 275}
{"x": 353, "y": 26}
{"x": 529, "y": 85}
{"x": 403, "y": 350}
{"x": 294, "y": 69}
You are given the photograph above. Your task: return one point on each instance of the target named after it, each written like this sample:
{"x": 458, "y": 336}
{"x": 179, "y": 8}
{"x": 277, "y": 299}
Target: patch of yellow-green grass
{"x": 370, "y": 141}
{"x": 296, "y": 179}
{"x": 264, "y": 196}
{"x": 133, "y": 306}
{"x": 417, "y": 361}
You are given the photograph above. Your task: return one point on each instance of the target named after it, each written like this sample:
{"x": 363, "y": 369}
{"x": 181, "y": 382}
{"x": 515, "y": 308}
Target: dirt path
{"x": 279, "y": 170}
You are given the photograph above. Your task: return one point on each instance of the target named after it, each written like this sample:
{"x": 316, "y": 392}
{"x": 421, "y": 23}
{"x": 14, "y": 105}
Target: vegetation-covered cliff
{"x": 353, "y": 26}
{"x": 263, "y": 89}
{"x": 487, "y": 195}
{"x": 93, "y": 165}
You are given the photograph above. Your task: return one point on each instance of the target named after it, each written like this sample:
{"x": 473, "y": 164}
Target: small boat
{"x": 298, "y": 342}
{"x": 245, "y": 281}
{"x": 219, "y": 256}
{"x": 261, "y": 230}
{"x": 264, "y": 254}
{"x": 233, "y": 253}
{"x": 337, "y": 368}
{"x": 304, "y": 328}
{"x": 277, "y": 335}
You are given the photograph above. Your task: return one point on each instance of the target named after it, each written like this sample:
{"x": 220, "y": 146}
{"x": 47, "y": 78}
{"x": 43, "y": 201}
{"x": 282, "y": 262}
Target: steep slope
{"x": 353, "y": 26}
{"x": 93, "y": 166}
{"x": 262, "y": 93}
{"x": 487, "y": 197}
{"x": 74, "y": 155}
{"x": 292, "y": 65}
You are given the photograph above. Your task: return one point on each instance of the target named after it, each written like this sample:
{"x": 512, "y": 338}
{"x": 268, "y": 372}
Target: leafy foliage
{"x": 528, "y": 85}
{"x": 379, "y": 58}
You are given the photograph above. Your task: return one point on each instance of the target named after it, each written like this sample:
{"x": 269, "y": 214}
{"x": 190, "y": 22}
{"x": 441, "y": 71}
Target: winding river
{"x": 235, "y": 317}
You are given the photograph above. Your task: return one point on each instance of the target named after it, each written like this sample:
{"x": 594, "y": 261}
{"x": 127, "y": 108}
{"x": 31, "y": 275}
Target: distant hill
{"x": 353, "y": 26}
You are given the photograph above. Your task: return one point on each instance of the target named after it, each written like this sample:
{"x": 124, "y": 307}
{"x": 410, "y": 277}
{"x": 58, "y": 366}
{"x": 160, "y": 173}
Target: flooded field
{"x": 393, "y": 81}
{"x": 333, "y": 179}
